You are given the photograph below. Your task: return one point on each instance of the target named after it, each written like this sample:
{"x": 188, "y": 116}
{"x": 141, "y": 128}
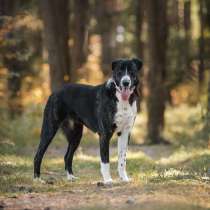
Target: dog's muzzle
{"x": 124, "y": 89}
{"x": 125, "y": 82}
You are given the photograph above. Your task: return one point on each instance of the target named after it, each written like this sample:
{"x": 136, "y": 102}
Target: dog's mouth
{"x": 126, "y": 92}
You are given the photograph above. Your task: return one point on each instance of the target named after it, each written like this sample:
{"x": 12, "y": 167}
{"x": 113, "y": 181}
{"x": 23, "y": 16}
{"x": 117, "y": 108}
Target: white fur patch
{"x": 105, "y": 171}
{"x": 125, "y": 115}
{"x": 122, "y": 149}
{"x": 124, "y": 119}
{"x": 125, "y": 77}
{"x": 71, "y": 177}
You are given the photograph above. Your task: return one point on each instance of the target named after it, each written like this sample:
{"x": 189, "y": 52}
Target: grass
{"x": 178, "y": 173}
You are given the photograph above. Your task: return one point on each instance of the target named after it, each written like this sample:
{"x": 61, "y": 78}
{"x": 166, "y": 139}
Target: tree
{"x": 207, "y": 25}
{"x": 80, "y": 34}
{"x": 187, "y": 27}
{"x": 139, "y": 10}
{"x": 55, "y": 15}
{"x": 7, "y": 9}
{"x": 107, "y": 14}
{"x": 157, "y": 32}
{"x": 13, "y": 53}
{"x": 201, "y": 43}
{"x": 174, "y": 18}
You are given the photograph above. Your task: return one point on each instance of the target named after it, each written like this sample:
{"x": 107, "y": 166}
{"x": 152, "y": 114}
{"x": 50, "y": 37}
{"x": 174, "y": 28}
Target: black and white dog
{"x": 104, "y": 109}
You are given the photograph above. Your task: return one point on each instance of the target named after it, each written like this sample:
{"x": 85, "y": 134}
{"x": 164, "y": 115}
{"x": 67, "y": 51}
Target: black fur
{"x": 92, "y": 106}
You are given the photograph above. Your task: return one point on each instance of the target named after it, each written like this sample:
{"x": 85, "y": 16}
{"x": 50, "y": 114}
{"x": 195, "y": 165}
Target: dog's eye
{"x": 132, "y": 73}
{"x": 119, "y": 73}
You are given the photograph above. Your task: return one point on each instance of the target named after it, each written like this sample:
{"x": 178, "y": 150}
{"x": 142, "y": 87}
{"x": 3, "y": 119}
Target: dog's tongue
{"x": 125, "y": 94}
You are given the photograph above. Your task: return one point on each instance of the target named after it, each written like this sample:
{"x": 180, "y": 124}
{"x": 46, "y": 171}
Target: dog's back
{"x": 80, "y": 102}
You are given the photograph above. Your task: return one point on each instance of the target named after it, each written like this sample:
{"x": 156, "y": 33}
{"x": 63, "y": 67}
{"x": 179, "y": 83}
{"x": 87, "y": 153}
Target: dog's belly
{"x": 125, "y": 115}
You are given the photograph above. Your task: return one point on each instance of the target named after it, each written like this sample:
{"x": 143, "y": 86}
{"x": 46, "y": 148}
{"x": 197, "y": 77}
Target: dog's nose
{"x": 126, "y": 82}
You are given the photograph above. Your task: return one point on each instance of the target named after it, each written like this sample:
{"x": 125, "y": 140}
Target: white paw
{"x": 108, "y": 181}
{"x": 105, "y": 171}
{"x": 71, "y": 177}
{"x": 124, "y": 177}
{"x": 39, "y": 180}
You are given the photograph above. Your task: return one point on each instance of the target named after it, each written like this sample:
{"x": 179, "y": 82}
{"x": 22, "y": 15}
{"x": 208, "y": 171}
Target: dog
{"x": 104, "y": 109}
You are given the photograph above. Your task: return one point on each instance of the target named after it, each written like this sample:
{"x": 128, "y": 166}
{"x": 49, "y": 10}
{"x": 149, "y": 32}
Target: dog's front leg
{"x": 122, "y": 149}
{"x": 104, "y": 152}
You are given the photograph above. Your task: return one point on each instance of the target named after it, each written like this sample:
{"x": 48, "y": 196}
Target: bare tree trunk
{"x": 81, "y": 19}
{"x": 174, "y": 17}
{"x": 139, "y": 9}
{"x": 55, "y": 15}
{"x": 107, "y": 11}
{"x": 201, "y": 43}
{"x": 11, "y": 59}
{"x": 7, "y": 7}
{"x": 206, "y": 128}
{"x": 157, "y": 31}
{"x": 187, "y": 27}
{"x": 208, "y": 106}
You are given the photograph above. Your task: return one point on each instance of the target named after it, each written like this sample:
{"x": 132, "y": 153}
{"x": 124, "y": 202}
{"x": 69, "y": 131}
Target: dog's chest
{"x": 125, "y": 115}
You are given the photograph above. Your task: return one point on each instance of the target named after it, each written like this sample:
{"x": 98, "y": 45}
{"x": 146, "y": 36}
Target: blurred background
{"x": 47, "y": 43}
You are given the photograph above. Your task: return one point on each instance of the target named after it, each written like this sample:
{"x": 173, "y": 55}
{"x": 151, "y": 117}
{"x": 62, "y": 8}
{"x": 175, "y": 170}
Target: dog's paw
{"x": 71, "y": 177}
{"x": 39, "y": 180}
{"x": 123, "y": 176}
{"x": 125, "y": 179}
{"x": 108, "y": 182}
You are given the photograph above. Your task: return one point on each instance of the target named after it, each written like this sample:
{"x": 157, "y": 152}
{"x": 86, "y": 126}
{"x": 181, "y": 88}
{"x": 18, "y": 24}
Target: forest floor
{"x": 163, "y": 177}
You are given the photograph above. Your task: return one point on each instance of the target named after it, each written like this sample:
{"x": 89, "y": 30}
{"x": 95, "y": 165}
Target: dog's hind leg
{"x": 73, "y": 132}
{"x": 51, "y": 122}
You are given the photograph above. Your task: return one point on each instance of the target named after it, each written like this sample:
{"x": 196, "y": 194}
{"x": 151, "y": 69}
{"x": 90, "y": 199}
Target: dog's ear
{"x": 115, "y": 63}
{"x": 109, "y": 83}
{"x": 110, "y": 87}
{"x": 138, "y": 63}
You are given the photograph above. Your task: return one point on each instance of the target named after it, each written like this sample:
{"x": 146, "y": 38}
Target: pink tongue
{"x": 125, "y": 94}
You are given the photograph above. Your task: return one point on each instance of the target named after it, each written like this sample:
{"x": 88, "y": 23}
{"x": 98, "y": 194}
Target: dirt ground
{"x": 127, "y": 196}
{"x": 148, "y": 195}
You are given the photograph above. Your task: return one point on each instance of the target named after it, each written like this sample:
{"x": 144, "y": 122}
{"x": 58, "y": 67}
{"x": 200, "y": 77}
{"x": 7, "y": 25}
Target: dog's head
{"x": 125, "y": 75}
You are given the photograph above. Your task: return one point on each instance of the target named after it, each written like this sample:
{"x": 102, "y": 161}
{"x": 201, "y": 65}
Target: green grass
{"x": 180, "y": 170}
{"x": 16, "y": 171}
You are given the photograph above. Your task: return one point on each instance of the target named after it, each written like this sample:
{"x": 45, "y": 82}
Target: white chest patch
{"x": 125, "y": 115}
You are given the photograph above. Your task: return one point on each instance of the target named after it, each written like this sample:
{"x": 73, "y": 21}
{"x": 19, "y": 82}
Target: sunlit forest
{"x": 46, "y": 44}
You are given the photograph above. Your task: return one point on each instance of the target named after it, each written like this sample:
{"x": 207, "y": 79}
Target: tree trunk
{"x": 208, "y": 106}
{"x": 11, "y": 59}
{"x": 157, "y": 32}
{"x": 107, "y": 11}
{"x": 201, "y": 44}
{"x": 174, "y": 18}
{"x": 206, "y": 128}
{"x": 139, "y": 9}
{"x": 187, "y": 27}
{"x": 55, "y": 15}
{"x": 7, "y": 7}
{"x": 80, "y": 35}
